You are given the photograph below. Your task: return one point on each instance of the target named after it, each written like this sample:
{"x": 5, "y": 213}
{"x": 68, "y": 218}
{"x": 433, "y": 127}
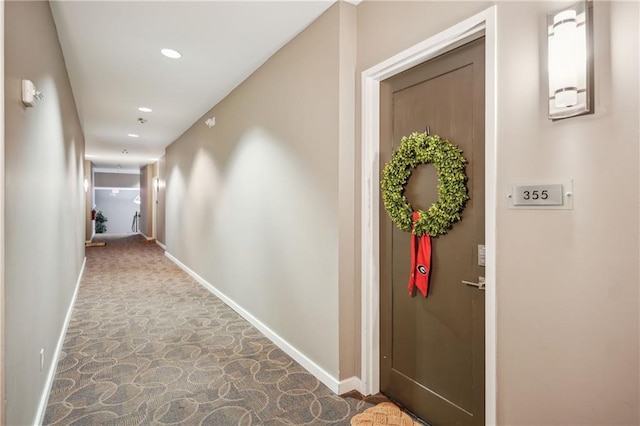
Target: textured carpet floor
{"x": 148, "y": 345}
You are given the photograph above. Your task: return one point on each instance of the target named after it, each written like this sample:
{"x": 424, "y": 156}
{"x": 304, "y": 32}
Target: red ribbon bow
{"x": 420, "y": 261}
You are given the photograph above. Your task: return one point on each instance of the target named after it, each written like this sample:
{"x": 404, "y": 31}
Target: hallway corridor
{"x": 146, "y": 344}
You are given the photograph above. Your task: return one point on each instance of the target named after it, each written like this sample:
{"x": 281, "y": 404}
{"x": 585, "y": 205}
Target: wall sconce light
{"x": 30, "y": 94}
{"x": 86, "y": 184}
{"x": 156, "y": 184}
{"x": 570, "y": 50}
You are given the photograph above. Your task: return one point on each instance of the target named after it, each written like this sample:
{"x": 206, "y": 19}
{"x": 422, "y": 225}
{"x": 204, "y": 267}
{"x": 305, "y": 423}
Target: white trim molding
{"x": 483, "y": 23}
{"x": 42, "y": 406}
{"x": 347, "y": 385}
{"x": 146, "y": 237}
{"x": 313, "y": 368}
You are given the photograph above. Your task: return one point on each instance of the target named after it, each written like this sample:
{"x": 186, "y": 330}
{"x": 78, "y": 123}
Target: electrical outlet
{"x": 41, "y": 359}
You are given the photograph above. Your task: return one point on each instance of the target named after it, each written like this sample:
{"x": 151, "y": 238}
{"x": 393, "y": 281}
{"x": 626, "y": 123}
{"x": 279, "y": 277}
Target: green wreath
{"x": 416, "y": 149}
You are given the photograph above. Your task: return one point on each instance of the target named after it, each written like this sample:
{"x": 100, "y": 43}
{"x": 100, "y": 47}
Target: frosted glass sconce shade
{"x": 570, "y": 61}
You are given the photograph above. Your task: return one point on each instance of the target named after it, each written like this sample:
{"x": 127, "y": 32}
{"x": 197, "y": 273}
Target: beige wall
{"x": 349, "y": 286}
{"x": 146, "y": 205}
{"x": 45, "y": 205}
{"x": 252, "y": 204}
{"x": 162, "y": 184}
{"x": 570, "y": 323}
{"x": 567, "y": 281}
{"x": 117, "y": 180}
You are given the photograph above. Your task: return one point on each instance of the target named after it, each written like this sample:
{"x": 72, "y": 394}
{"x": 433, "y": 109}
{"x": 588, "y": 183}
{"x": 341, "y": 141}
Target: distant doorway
{"x": 119, "y": 207}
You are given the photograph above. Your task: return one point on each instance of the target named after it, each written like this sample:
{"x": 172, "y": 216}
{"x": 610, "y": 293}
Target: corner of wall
{"x": 2, "y": 282}
{"x": 348, "y": 304}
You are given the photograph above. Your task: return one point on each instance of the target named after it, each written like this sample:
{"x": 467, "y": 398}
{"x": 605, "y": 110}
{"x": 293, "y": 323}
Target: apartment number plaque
{"x": 541, "y": 196}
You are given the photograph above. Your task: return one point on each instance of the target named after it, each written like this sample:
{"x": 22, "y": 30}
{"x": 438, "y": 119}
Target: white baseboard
{"x": 162, "y": 246}
{"x": 145, "y": 236}
{"x": 347, "y": 385}
{"x": 42, "y": 407}
{"x": 313, "y": 368}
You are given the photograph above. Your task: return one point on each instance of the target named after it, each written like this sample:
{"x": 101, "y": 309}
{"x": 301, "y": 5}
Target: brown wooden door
{"x": 432, "y": 350}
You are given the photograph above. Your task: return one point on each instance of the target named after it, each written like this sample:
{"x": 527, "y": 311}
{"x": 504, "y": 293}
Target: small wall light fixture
{"x": 156, "y": 183}
{"x": 86, "y": 184}
{"x": 210, "y": 122}
{"x": 570, "y": 50}
{"x": 29, "y": 93}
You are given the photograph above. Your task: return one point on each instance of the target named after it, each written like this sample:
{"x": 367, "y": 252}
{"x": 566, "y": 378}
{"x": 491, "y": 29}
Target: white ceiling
{"x": 112, "y": 52}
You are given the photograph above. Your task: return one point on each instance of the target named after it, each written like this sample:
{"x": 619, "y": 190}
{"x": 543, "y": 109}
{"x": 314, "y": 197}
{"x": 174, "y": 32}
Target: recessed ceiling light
{"x": 170, "y": 53}
{"x": 144, "y": 109}
{"x": 133, "y": 135}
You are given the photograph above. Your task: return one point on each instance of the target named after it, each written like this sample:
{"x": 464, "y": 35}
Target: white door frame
{"x": 483, "y": 23}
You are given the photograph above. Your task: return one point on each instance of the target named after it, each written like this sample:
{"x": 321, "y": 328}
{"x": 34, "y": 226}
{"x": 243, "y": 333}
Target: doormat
{"x": 90, "y": 244}
{"x": 385, "y": 413}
